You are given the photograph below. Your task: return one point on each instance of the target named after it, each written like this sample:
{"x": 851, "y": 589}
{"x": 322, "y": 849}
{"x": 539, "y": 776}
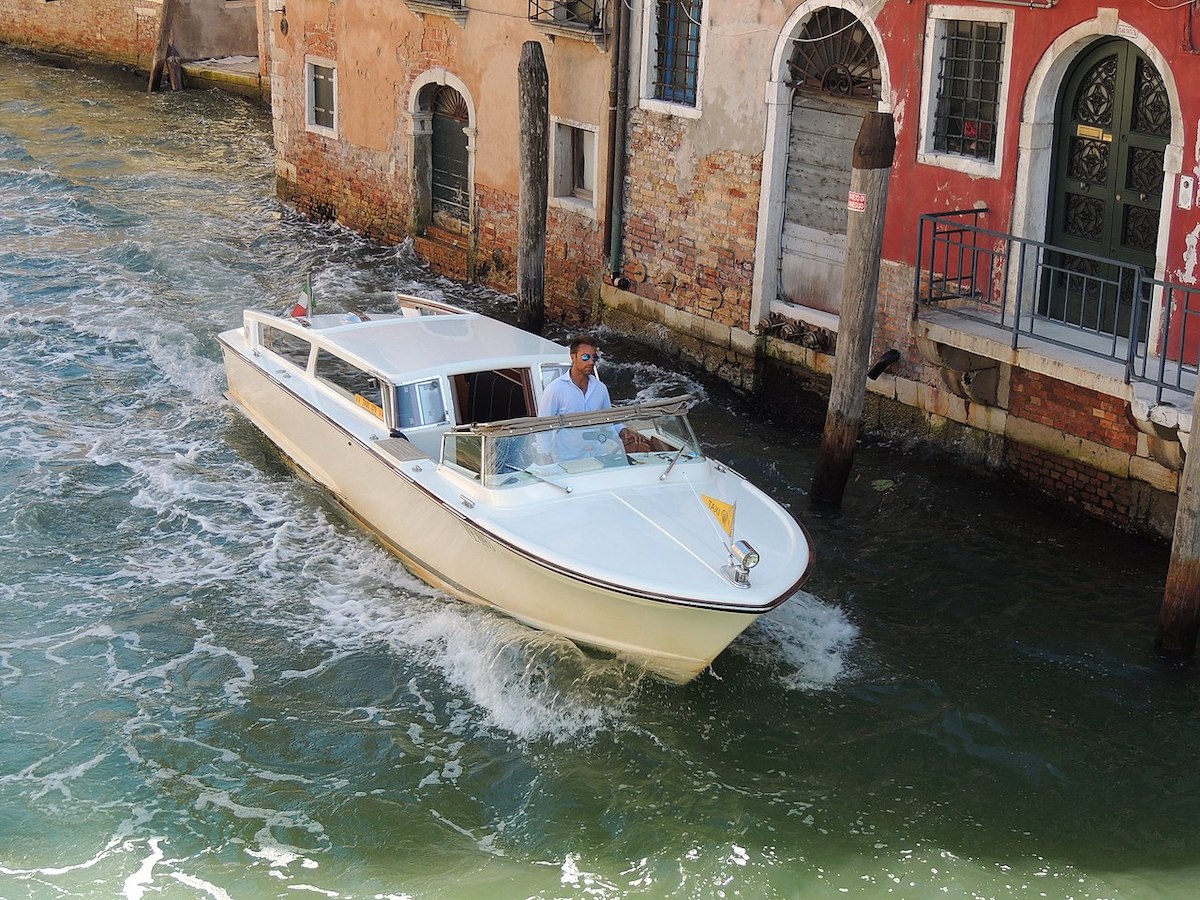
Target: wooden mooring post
{"x": 160, "y": 49}
{"x": 874, "y": 153}
{"x": 1179, "y": 616}
{"x": 534, "y": 107}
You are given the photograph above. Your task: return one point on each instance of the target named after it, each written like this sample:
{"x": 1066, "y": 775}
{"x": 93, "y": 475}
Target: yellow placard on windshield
{"x": 722, "y": 510}
{"x": 374, "y": 408}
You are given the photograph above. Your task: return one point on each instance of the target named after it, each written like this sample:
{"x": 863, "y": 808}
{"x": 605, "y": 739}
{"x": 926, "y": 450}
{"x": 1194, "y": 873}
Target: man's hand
{"x": 634, "y": 441}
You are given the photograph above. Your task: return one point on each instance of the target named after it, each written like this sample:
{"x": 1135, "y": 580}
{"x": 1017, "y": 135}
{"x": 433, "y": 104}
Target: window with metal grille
{"x": 677, "y": 50}
{"x": 322, "y": 97}
{"x": 969, "y": 84}
{"x": 572, "y": 13}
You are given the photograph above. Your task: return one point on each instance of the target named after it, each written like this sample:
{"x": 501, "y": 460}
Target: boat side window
{"x": 350, "y": 381}
{"x": 291, "y": 347}
{"x": 420, "y": 403}
{"x": 550, "y": 371}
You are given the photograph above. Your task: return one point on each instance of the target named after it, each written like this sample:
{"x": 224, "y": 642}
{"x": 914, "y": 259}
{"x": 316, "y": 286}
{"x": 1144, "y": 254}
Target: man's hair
{"x": 581, "y": 339}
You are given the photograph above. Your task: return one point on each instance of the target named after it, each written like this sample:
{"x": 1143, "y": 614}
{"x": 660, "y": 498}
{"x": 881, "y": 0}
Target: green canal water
{"x": 213, "y": 685}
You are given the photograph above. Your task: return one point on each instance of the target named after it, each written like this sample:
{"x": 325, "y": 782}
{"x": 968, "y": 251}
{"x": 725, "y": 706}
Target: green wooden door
{"x": 451, "y": 188}
{"x": 1113, "y": 126}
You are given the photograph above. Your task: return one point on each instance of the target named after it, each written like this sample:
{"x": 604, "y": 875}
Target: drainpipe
{"x": 618, "y": 93}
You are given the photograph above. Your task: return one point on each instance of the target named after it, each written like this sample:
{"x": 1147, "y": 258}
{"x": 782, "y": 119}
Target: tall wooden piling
{"x": 1179, "y": 616}
{"x": 160, "y": 48}
{"x": 874, "y": 152}
{"x": 534, "y": 103}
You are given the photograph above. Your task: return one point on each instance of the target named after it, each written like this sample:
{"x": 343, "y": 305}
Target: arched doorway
{"x": 835, "y": 79}
{"x": 1112, "y": 130}
{"x": 442, "y": 153}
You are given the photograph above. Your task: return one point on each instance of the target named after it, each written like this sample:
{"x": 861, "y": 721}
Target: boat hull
{"x": 436, "y": 539}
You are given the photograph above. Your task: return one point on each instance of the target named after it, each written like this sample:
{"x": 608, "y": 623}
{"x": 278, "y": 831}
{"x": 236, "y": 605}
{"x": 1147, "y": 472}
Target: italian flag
{"x": 304, "y": 306}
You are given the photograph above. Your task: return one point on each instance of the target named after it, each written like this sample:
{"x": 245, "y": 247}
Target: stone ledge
{"x": 457, "y": 14}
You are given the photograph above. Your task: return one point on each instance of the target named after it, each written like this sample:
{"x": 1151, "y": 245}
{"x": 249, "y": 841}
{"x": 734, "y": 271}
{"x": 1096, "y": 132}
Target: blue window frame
{"x": 678, "y": 51}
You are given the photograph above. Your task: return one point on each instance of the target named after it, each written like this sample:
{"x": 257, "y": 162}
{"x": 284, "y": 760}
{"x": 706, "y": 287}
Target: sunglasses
{"x": 588, "y": 357}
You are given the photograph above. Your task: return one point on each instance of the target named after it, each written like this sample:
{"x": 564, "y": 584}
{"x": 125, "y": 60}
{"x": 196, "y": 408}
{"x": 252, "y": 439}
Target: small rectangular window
{"x": 420, "y": 403}
{"x": 574, "y": 161}
{"x": 677, "y": 51}
{"x": 968, "y": 89}
{"x": 288, "y": 346}
{"x": 322, "y": 97}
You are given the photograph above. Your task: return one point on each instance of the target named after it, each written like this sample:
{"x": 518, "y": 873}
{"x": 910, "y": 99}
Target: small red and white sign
{"x": 856, "y": 202}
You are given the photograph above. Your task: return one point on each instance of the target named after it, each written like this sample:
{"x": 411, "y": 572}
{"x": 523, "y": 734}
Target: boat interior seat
{"x": 492, "y": 397}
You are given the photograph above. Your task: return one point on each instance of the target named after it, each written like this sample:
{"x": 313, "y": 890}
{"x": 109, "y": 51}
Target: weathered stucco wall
{"x": 368, "y": 176}
{"x": 203, "y": 29}
{"x": 125, "y": 32}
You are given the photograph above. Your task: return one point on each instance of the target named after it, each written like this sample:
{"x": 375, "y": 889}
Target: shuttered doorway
{"x": 451, "y": 189}
{"x": 835, "y": 79}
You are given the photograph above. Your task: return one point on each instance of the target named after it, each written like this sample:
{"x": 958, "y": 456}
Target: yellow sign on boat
{"x": 722, "y": 510}
{"x": 374, "y": 408}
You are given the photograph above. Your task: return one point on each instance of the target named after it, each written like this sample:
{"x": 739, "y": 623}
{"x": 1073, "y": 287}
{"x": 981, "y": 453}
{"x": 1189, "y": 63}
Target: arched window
{"x": 833, "y": 54}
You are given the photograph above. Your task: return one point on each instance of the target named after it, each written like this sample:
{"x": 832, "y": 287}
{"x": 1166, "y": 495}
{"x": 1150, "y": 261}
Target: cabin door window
{"x": 420, "y": 403}
{"x": 1112, "y": 130}
{"x": 836, "y": 80}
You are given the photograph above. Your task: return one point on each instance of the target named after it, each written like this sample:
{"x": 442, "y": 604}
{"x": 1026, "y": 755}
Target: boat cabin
{"x": 462, "y": 388}
{"x": 419, "y": 372}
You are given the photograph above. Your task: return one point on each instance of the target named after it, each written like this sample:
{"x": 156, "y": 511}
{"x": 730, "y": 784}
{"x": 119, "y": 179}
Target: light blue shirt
{"x": 563, "y": 396}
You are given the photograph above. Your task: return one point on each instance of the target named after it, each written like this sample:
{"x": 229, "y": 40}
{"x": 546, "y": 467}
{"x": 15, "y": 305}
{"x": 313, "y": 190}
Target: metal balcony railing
{"x": 581, "y": 14}
{"x": 1175, "y": 364}
{"x": 1060, "y": 296}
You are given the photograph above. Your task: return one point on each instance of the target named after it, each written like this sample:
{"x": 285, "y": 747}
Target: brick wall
{"x": 1073, "y": 484}
{"x": 354, "y": 186}
{"x": 689, "y": 233}
{"x": 574, "y": 256}
{"x": 120, "y": 32}
{"x": 1071, "y": 408}
{"x": 894, "y": 322}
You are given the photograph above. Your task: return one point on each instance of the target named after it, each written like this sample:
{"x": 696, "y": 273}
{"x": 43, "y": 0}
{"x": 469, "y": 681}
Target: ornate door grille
{"x": 1113, "y": 128}
{"x": 834, "y": 54}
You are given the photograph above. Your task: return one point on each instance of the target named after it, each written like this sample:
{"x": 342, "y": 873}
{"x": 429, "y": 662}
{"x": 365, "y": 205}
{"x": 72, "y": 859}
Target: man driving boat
{"x": 579, "y": 389}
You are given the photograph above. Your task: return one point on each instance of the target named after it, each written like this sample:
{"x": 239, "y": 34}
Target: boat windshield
{"x": 527, "y": 451}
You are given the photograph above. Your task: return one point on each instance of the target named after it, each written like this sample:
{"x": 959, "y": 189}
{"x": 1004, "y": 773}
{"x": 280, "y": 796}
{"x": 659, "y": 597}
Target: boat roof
{"x": 407, "y": 347}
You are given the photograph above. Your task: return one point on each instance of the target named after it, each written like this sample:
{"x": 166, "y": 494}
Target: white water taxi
{"x": 422, "y": 425}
